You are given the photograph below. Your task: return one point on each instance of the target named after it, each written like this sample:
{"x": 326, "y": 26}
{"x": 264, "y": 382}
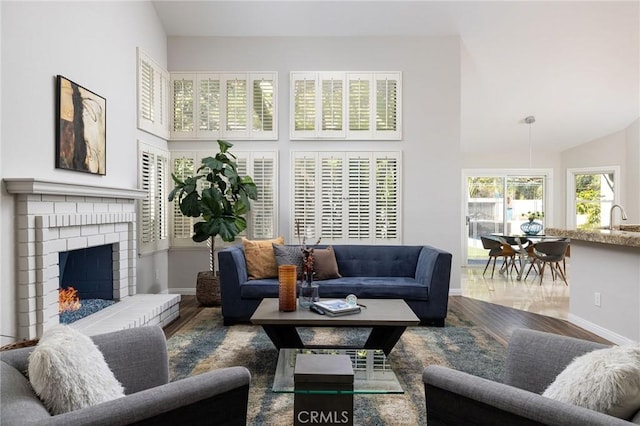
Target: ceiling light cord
{"x": 530, "y": 120}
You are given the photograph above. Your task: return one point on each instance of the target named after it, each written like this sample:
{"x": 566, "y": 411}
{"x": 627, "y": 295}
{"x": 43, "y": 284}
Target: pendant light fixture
{"x": 530, "y": 120}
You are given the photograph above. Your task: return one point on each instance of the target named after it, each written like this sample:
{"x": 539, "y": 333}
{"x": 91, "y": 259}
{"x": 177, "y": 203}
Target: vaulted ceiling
{"x": 574, "y": 65}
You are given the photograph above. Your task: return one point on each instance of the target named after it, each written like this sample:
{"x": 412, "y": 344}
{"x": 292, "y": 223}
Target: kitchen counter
{"x": 604, "y": 277}
{"x": 604, "y": 236}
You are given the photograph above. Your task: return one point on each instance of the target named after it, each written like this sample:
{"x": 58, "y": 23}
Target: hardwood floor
{"x": 498, "y": 321}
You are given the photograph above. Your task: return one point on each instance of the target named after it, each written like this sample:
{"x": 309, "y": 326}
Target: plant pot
{"x": 208, "y": 289}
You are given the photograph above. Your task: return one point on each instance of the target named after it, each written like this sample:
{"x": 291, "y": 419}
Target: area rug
{"x": 204, "y": 344}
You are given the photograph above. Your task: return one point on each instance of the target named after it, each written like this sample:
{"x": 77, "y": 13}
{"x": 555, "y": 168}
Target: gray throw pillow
{"x": 325, "y": 265}
{"x": 288, "y": 255}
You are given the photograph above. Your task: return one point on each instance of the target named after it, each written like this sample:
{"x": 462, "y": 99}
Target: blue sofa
{"x": 418, "y": 274}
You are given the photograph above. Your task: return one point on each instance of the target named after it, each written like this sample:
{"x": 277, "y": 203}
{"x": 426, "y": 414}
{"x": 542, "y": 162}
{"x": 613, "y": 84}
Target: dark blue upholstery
{"x": 418, "y": 274}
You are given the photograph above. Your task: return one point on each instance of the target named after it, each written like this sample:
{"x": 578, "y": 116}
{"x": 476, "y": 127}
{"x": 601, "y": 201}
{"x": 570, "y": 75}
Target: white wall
{"x": 431, "y": 120}
{"x": 617, "y": 149}
{"x": 93, "y": 44}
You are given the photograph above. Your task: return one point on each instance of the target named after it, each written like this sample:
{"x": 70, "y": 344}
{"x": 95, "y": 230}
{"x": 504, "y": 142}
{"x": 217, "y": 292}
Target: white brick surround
{"x": 53, "y": 217}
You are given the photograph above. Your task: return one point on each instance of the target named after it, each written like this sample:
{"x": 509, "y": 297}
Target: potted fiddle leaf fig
{"x": 219, "y": 196}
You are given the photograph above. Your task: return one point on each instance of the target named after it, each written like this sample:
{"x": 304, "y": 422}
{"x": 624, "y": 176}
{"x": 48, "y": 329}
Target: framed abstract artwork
{"x": 81, "y": 126}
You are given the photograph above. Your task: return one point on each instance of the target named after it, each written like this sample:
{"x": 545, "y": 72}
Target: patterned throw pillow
{"x": 288, "y": 255}
{"x": 261, "y": 261}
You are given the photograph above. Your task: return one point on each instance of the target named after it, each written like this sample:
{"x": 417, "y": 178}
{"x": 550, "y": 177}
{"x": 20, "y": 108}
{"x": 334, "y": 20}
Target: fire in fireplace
{"x": 86, "y": 282}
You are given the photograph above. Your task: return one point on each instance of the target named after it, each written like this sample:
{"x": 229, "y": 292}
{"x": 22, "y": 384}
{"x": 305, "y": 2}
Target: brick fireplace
{"x": 54, "y": 217}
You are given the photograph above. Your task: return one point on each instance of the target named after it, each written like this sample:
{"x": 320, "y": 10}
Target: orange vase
{"x": 287, "y": 287}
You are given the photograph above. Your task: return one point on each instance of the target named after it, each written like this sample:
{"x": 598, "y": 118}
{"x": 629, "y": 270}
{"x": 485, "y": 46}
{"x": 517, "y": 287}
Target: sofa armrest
{"x": 545, "y": 353}
{"x": 233, "y": 271}
{"x": 454, "y": 397}
{"x": 219, "y": 397}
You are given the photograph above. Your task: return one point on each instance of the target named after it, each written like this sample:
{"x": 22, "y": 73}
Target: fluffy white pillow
{"x": 68, "y": 372}
{"x": 605, "y": 380}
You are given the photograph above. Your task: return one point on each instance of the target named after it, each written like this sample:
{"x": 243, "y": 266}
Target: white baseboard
{"x": 600, "y": 331}
{"x": 189, "y": 291}
{"x": 455, "y": 292}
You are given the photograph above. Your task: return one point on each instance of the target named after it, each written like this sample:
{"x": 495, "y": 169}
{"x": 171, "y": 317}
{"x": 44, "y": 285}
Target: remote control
{"x": 315, "y": 309}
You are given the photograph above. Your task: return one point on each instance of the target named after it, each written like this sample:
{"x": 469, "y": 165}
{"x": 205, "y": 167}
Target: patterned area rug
{"x": 205, "y": 344}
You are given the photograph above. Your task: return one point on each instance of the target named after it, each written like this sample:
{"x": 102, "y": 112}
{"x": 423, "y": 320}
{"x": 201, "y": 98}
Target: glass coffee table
{"x": 372, "y": 372}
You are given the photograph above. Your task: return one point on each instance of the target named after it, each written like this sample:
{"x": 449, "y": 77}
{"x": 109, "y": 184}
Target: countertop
{"x": 604, "y": 236}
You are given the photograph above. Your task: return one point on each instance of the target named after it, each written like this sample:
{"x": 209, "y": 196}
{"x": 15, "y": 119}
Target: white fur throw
{"x": 68, "y": 372}
{"x": 606, "y": 380}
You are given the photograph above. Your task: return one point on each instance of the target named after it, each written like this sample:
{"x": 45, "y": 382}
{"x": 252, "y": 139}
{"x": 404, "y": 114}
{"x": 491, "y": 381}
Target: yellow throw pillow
{"x": 261, "y": 260}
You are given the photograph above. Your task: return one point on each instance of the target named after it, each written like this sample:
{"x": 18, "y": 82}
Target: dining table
{"x": 521, "y": 240}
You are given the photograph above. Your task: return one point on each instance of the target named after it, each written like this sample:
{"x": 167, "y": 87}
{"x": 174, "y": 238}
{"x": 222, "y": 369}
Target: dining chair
{"x": 553, "y": 253}
{"x": 497, "y": 248}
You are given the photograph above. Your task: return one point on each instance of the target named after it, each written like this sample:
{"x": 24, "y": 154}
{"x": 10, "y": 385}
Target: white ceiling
{"x": 573, "y": 65}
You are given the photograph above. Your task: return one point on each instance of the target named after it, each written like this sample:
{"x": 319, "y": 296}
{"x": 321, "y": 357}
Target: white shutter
{"x": 208, "y": 106}
{"x": 152, "y": 96}
{"x": 152, "y": 217}
{"x": 332, "y": 197}
{"x": 359, "y": 104}
{"x": 263, "y": 218}
{"x": 359, "y": 196}
{"x": 147, "y": 183}
{"x": 331, "y": 105}
{"x": 183, "y": 165}
{"x": 387, "y": 198}
{"x": 183, "y": 96}
{"x": 304, "y": 196}
{"x": 236, "y": 106}
{"x": 388, "y": 106}
{"x": 263, "y": 106}
{"x": 303, "y": 122}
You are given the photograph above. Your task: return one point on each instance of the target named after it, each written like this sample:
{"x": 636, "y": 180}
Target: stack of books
{"x": 337, "y": 307}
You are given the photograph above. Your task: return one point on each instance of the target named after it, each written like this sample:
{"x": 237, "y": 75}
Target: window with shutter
{"x": 152, "y": 96}
{"x": 183, "y": 92}
{"x": 331, "y": 196}
{"x": 152, "y": 216}
{"x": 236, "y": 106}
{"x": 387, "y": 198}
{"x": 183, "y": 166}
{"x": 359, "y": 106}
{"x": 358, "y": 196}
{"x": 303, "y": 105}
{"x": 346, "y": 105}
{"x": 263, "y": 107}
{"x": 304, "y": 196}
{"x": 332, "y": 85}
{"x": 208, "y": 105}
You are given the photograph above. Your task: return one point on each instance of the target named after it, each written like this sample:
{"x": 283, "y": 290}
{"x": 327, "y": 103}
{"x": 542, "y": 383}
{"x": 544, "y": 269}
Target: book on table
{"x": 337, "y": 307}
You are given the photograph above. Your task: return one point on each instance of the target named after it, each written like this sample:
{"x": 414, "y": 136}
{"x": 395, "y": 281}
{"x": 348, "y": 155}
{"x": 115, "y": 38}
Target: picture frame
{"x": 81, "y": 128}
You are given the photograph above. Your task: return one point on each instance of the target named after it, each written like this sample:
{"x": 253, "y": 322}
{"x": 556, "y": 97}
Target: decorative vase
{"x": 287, "y": 287}
{"x": 531, "y": 228}
{"x": 309, "y": 292}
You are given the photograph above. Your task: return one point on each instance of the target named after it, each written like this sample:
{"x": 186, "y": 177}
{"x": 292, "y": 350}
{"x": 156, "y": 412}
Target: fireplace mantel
{"x": 47, "y": 187}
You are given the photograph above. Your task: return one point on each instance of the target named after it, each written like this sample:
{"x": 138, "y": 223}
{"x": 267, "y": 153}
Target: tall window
{"x": 152, "y": 216}
{"x": 153, "y": 94}
{"x": 347, "y": 197}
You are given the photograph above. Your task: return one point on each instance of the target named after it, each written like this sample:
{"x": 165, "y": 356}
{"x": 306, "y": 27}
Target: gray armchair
{"x": 534, "y": 359}
{"x": 138, "y": 358}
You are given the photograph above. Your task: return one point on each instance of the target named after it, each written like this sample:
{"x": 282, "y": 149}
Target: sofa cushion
{"x": 19, "y": 404}
{"x": 362, "y": 287}
{"x": 377, "y": 261}
{"x": 68, "y": 372}
{"x": 261, "y": 261}
{"x": 605, "y": 380}
{"x": 324, "y": 264}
